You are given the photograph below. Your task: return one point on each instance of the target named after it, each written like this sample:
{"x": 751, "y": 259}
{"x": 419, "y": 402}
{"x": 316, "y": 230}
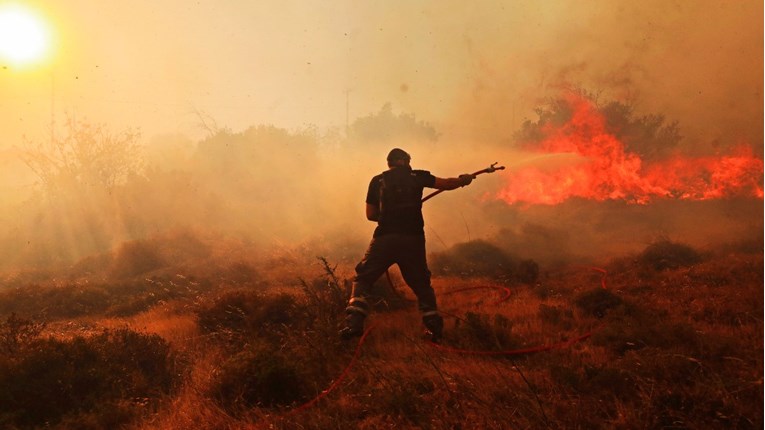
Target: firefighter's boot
{"x": 355, "y": 314}
{"x": 434, "y": 326}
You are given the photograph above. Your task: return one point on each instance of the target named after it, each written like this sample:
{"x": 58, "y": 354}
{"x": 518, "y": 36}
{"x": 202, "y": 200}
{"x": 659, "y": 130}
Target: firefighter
{"x": 394, "y": 202}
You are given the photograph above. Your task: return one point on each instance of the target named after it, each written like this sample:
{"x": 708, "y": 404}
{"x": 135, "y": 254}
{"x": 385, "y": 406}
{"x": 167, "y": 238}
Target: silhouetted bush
{"x": 528, "y": 271}
{"x": 325, "y": 299}
{"x": 611, "y": 380}
{"x": 16, "y": 332}
{"x": 55, "y": 301}
{"x": 477, "y": 330}
{"x": 237, "y": 313}
{"x": 597, "y": 302}
{"x": 116, "y": 299}
{"x": 556, "y": 315}
{"x": 135, "y": 258}
{"x": 263, "y": 376}
{"x": 665, "y": 254}
{"x": 52, "y": 379}
{"x": 480, "y": 258}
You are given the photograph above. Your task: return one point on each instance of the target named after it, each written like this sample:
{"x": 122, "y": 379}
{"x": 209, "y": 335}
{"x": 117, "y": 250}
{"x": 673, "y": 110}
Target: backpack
{"x": 399, "y": 193}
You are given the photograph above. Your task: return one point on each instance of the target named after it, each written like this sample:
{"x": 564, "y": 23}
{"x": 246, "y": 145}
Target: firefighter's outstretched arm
{"x": 451, "y": 183}
{"x": 446, "y": 184}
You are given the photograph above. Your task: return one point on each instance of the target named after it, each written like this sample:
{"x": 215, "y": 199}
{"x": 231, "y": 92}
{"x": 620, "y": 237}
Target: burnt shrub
{"x": 235, "y": 314}
{"x": 64, "y": 301}
{"x": 597, "y": 302}
{"x": 17, "y": 332}
{"x": 556, "y": 315}
{"x": 615, "y": 381}
{"x": 123, "y": 298}
{"x": 240, "y": 273}
{"x": 630, "y": 327}
{"x": 481, "y": 331}
{"x": 135, "y": 258}
{"x": 259, "y": 376}
{"x": 52, "y": 380}
{"x": 664, "y": 254}
{"x": 325, "y": 301}
{"x": 481, "y": 258}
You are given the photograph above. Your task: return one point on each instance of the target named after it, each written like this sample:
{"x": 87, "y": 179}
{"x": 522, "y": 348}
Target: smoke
{"x": 464, "y": 82}
{"x": 699, "y": 63}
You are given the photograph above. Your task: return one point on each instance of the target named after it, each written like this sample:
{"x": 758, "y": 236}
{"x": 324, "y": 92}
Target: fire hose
{"x": 490, "y": 169}
{"x": 547, "y": 347}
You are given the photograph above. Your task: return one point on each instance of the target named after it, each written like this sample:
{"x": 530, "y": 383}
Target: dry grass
{"x": 680, "y": 348}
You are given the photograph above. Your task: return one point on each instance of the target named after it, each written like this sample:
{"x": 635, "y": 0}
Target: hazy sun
{"x": 24, "y": 37}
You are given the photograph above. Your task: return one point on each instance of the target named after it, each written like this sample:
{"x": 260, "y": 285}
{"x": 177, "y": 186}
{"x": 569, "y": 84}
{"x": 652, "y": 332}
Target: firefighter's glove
{"x": 466, "y": 179}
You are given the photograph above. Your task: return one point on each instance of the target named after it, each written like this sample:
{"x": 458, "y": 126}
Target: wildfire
{"x": 605, "y": 170}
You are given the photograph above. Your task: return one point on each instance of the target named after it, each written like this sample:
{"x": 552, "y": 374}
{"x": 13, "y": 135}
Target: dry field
{"x": 669, "y": 338}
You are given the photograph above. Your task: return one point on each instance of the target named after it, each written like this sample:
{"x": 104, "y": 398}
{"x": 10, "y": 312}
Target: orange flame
{"x": 606, "y": 171}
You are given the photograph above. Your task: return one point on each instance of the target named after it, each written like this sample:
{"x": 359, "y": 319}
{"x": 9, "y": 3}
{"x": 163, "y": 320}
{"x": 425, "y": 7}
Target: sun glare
{"x": 24, "y": 37}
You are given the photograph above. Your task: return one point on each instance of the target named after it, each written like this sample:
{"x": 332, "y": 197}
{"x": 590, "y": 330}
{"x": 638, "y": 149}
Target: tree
{"x": 385, "y": 126}
{"x": 649, "y": 136}
{"x": 87, "y": 156}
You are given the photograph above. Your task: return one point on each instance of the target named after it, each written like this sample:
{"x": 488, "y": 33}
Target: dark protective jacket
{"x": 398, "y": 195}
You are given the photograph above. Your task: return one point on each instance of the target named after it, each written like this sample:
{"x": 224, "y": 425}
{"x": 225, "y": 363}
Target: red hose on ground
{"x": 560, "y": 345}
{"x": 340, "y": 378}
{"x": 522, "y": 351}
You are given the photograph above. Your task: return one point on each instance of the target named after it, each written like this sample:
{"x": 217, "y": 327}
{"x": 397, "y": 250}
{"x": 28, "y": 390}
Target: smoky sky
{"x": 476, "y": 69}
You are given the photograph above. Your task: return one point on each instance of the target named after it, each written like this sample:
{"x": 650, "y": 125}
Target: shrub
{"x": 262, "y": 376}
{"x": 324, "y": 304}
{"x": 325, "y": 297}
{"x": 244, "y": 313}
{"x": 54, "y": 379}
{"x": 480, "y": 258}
{"x": 134, "y": 258}
{"x": 612, "y": 380}
{"x": 76, "y": 299}
{"x": 597, "y": 302}
{"x": 481, "y": 331}
{"x": 555, "y": 315}
{"x": 664, "y": 255}
{"x": 55, "y": 301}
{"x": 16, "y": 332}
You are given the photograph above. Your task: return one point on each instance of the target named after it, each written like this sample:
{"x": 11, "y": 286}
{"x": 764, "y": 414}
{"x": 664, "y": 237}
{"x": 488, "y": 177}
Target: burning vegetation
{"x": 617, "y": 157}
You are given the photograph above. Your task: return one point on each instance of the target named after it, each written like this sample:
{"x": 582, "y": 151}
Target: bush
{"x": 77, "y": 299}
{"x": 325, "y": 303}
{"x": 597, "y": 302}
{"x": 16, "y": 332}
{"x": 259, "y": 376}
{"x": 135, "y": 258}
{"x": 55, "y": 301}
{"x": 480, "y": 331}
{"x": 51, "y": 379}
{"x": 555, "y": 315}
{"x": 244, "y": 313}
{"x": 480, "y": 258}
{"x": 664, "y": 255}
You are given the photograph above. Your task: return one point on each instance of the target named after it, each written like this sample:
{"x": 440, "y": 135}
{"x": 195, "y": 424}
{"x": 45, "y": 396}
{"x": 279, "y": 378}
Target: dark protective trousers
{"x": 408, "y": 252}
